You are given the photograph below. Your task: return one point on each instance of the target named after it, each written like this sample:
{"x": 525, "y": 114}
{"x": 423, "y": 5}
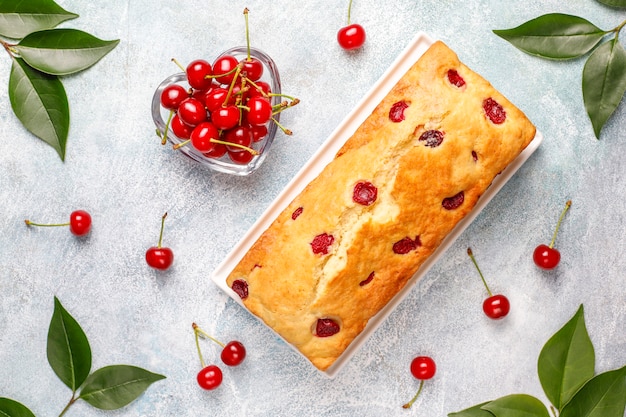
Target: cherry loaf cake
{"x": 349, "y": 242}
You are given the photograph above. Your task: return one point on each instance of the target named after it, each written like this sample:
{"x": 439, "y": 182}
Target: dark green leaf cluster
{"x": 561, "y": 36}
{"x": 43, "y": 54}
{"x": 566, "y": 369}
{"x": 69, "y": 355}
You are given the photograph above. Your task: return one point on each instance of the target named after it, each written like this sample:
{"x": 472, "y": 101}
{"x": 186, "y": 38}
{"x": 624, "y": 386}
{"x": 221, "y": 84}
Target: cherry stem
{"x": 167, "y": 128}
{"x": 236, "y": 145}
{"x": 349, "y": 10}
{"x": 568, "y": 204}
{"x": 181, "y": 144}
{"x": 281, "y": 127}
{"x": 199, "y": 332}
{"x": 553, "y": 411}
{"x": 162, "y": 226}
{"x": 196, "y": 336}
{"x": 245, "y": 13}
{"x": 471, "y": 255}
{"x": 29, "y": 223}
{"x": 618, "y": 29}
{"x": 410, "y": 403}
{"x": 237, "y": 70}
{"x": 178, "y": 64}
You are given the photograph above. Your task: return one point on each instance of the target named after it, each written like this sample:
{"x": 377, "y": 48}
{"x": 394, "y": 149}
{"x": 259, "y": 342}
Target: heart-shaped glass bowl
{"x": 223, "y": 164}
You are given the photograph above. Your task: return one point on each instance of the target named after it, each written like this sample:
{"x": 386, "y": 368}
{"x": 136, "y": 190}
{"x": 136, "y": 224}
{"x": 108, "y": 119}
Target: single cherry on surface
{"x": 159, "y": 257}
{"x": 351, "y": 36}
{"x": 79, "y": 224}
{"x": 546, "y": 256}
{"x": 422, "y": 368}
{"x": 495, "y": 306}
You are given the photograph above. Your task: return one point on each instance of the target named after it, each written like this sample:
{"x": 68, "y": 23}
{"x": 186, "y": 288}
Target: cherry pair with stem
{"x": 79, "y": 224}
{"x": 233, "y": 354}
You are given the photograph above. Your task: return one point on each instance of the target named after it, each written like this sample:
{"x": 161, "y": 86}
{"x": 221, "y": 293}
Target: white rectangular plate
{"x": 324, "y": 155}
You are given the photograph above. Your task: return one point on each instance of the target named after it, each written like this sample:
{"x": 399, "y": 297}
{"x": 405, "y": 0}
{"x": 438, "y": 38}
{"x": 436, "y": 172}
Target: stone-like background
{"x": 116, "y": 169}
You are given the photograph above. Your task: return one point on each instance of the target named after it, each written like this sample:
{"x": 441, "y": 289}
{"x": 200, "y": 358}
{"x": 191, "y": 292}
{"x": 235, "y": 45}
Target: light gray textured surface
{"x": 116, "y": 169}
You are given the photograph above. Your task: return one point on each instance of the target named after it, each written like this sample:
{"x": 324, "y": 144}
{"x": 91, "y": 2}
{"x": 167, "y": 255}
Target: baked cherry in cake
{"x": 326, "y": 327}
{"x": 241, "y": 288}
{"x": 321, "y": 243}
{"x": 367, "y": 280}
{"x": 365, "y": 193}
{"x": 396, "y": 113}
{"x": 494, "y": 111}
{"x": 450, "y": 203}
{"x": 455, "y": 79}
{"x": 406, "y": 245}
{"x": 296, "y": 213}
{"x": 431, "y": 138}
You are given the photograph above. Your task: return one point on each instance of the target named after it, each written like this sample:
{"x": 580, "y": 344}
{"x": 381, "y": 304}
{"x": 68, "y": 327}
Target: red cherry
{"x": 233, "y": 353}
{"x": 159, "y": 257}
{"x": 351, "y": 36}
{"x": 80, "y": 222}
{"x": 239, "y": 135}
{"x": 198, "y": 74}
{"x": 210, "y": 377}
{"x": 259, "y": 112}
{"x": 253, "y": 68}
{"x": 201, "y": 137}
{"x": 545, "y": 256}
{"x": 422, "y": 368}
{"x": 192, "y": 111}
{"x": 218, "y": 150}
{"x": 495, "y": 306}
{"x": 261, "y": 88}
{"x": 240, "y": 157}
{"x": 215, "y": 99}
{"x": 224, "y": 69}
{"x": 225, "y": 117}
{"x": 258, "y": 132}
{"x": 172, "y": 96}
{"x": 180, "y": 129}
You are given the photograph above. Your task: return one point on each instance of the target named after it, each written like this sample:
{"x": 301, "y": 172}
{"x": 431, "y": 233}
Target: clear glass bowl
{"x": 160, "y": 115}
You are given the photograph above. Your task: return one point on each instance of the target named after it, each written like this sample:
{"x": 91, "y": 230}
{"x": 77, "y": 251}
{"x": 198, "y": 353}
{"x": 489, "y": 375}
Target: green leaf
{"x": 475, "y": 411}
{"x": 115, "y": 386}
{"x": 63, "y": 51}
{"x": 614, "y": 3}
{"x": 40, "y": 103}
{"x": 554, "y": 36}
{"x": 69, "y": 353}
{"x": 18, "y": 18}
{"x": 11, "y": 408}
{"x": 604, "y": 82}
{"x": 517, "y": 405}
{"x": 602, "y": 396}
{"x": 566, "y": 361}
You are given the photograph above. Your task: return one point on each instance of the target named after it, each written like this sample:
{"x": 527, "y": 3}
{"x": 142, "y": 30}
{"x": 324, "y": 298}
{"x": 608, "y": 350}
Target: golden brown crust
{"x": 290, "y": 287}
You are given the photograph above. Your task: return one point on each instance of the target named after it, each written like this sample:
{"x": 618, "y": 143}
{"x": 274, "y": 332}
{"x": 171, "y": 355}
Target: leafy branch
{"x": 560, "y": 37}
{"x": 41, "y": 56}
{"x": 69, "y": 355}
{"x": 566, "y": 371}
